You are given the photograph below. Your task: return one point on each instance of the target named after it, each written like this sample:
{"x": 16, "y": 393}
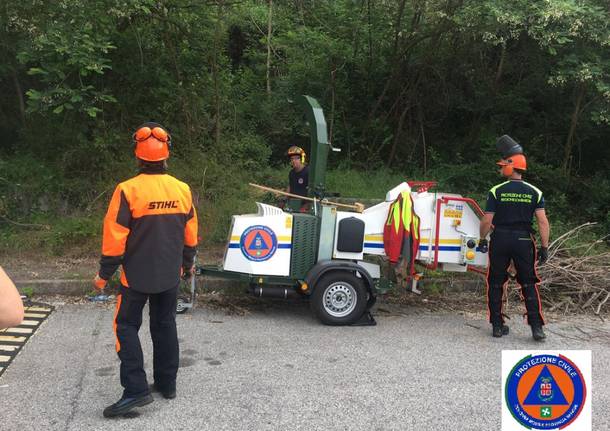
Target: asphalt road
{"x": 276, "y": 368}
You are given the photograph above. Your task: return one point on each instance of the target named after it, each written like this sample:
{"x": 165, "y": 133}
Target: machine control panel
{"x": 468, "y": 250}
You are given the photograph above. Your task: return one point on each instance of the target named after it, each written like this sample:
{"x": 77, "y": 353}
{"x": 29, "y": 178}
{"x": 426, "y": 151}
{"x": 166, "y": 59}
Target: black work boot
{"x": 168, "y": 393}
{"x": 499, "y": 330}
{"x": 125, "y": 405}
{"x": 537, "y": 332}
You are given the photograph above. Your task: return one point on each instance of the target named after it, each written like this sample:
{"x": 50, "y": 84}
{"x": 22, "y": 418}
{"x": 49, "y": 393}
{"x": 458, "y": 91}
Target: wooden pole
{"x": 358, "y": 207}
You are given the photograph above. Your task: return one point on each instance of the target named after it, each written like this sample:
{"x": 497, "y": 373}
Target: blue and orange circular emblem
{"x": 545, "y": 392}
{"x": 258, "y": 243}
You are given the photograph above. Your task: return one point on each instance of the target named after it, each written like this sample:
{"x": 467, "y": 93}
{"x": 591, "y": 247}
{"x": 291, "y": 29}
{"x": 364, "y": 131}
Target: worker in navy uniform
{"x": 298, "y": 178}
{"x": 511, "y": 205}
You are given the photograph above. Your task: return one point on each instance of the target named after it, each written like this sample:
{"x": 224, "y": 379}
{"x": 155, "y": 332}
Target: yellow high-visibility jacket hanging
{"x": 401, "y": 225}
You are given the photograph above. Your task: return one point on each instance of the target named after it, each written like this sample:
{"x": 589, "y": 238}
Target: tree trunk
{"x": 420, "y": 115}
{"x": 19, "y": 93}
{"x": 500, "y": 68}
{"x": 397, "y": 135}
{"x": 397, "y": 25}
{"x": 573, "y": 123}
{"x": 332, "y": 104}
{"x": 269, "y": 18}
{"x": 215, "y": 72}
{"x": 396, "y": 64}
{"x": 348, "y": 140}
{"x": 370, "y": 42}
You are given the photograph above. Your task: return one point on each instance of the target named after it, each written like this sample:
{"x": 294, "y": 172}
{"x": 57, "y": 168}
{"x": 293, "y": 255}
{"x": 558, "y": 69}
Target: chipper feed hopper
{"x": 328, "y": 254}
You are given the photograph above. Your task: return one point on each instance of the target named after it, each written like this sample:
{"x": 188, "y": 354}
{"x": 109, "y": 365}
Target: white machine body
{"x": 261, "y": 243}
{"x": 458, "y": 230}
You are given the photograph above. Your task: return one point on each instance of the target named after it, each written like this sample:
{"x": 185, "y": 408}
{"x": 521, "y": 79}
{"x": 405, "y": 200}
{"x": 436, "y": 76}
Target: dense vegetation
{"x": 414, "y": 89}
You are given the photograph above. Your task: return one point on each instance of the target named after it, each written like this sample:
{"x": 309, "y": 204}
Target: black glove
{"x": 543, "y": 255}
{"x": 483, "y": 245}
{"x": 187, "y": 272}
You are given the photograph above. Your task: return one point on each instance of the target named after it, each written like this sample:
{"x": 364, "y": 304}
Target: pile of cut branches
{"x": 576, "y": 277}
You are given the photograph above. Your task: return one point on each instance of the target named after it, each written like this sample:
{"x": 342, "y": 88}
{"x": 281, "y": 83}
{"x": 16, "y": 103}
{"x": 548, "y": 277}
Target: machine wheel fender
{"x": 324, "y": 266}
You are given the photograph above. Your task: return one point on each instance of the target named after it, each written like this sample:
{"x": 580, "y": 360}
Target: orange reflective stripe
{"x": 114, "y": 325}
{"x": 537, "y": 285}
{"x": 124, "y": 281}
{"x": 115, "y": 235}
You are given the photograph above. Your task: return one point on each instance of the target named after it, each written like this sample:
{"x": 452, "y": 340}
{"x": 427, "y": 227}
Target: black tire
{"x": 180, "y": 304}
{"x": 339, "y": 298}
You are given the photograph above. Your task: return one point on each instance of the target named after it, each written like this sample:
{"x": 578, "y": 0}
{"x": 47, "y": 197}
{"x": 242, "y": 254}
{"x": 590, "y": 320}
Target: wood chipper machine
{"x": 330, "y": 255}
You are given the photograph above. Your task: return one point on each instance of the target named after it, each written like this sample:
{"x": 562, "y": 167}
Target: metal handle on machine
{"x": 334, "y": 149}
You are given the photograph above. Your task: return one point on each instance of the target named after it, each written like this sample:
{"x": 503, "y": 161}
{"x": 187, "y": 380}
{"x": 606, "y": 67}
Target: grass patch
{"x": 52, "y": 235}
{"x": 362, "y": 184}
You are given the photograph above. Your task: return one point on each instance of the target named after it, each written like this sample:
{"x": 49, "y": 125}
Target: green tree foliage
{"x": 417, "y": 88}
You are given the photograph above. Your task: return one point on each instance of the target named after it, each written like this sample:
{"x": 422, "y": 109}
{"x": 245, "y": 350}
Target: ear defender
{"x": 151, "y": 142}
{"x": 509, "y": 165}
{"x": 507, "y": 170}
{"x": 155, "y": 130}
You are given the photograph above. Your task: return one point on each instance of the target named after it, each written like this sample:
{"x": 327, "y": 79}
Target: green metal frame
{"x": 305, "y": 238}
{"x": 319, "y": 145}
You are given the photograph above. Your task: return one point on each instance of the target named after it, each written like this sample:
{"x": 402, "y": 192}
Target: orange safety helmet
{"x": 516, "y": 161}
{"x": 296, "y": 151}
{"x": 152, "y": 142}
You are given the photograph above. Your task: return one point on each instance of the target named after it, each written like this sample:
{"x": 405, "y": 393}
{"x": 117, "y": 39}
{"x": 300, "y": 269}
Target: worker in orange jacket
{"x": 150, "y": 230}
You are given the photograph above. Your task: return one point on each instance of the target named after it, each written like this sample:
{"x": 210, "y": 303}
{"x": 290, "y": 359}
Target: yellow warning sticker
{"x": 452, "y": 213}
{"x": 453, "y": 210}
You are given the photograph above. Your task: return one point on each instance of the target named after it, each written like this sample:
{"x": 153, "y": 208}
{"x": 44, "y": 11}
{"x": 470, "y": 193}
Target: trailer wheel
{"x": 339, "y": 298}
{"x": 181, "y": 304}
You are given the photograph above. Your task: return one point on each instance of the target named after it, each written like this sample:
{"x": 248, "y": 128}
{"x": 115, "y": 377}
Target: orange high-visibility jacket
{"x": 151, "y": 230}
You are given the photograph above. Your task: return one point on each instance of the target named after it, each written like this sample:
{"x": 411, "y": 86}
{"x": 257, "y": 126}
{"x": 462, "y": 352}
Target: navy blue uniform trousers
{"x": 128, "y": 320}
{"x": 518, "y": 246}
